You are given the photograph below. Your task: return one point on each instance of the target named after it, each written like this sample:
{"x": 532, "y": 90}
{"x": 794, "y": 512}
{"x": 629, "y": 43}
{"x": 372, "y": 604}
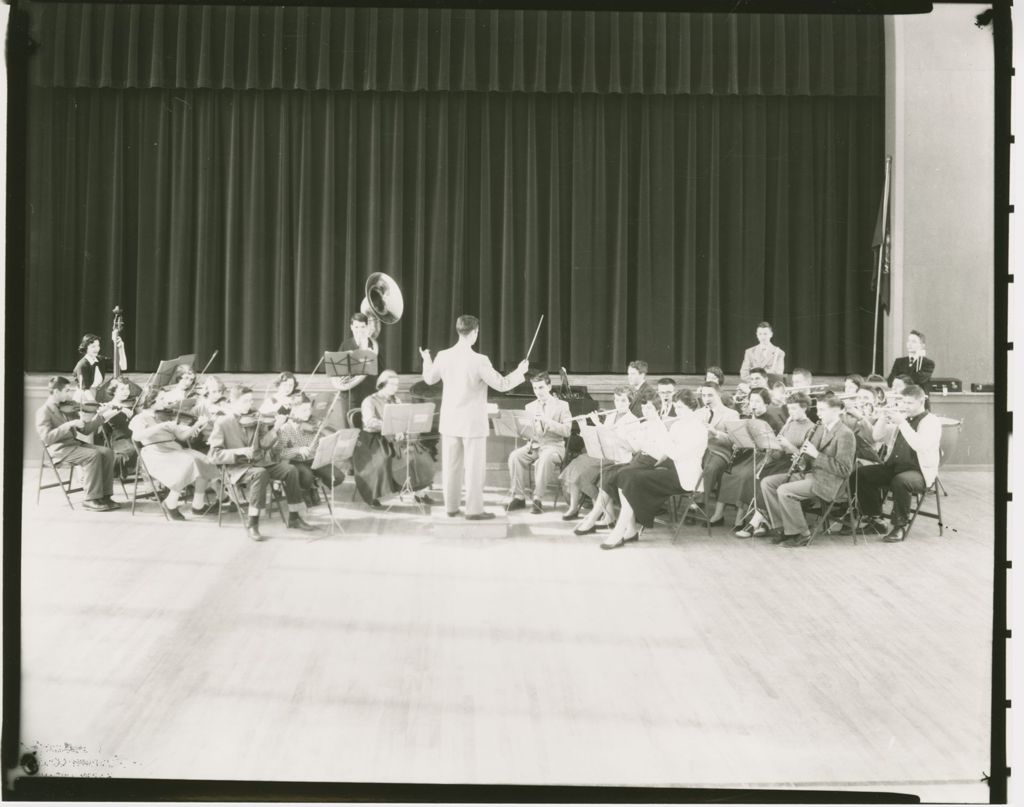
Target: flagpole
{"x": 881, "y": 261}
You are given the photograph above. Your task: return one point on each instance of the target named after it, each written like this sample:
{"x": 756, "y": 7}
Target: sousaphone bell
{"x": 383, "y": 301}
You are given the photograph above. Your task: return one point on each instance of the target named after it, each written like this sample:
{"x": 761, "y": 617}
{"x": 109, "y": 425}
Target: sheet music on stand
{"x": 330, "y": 450}
{"x": 345, "y": 363}
{"x": 407, "y": 419}
{"x": 513, "y": 423}
{"x": 605, "y": 443}
{"x": 751, "y": 433}
{"x": 165, "y": 370}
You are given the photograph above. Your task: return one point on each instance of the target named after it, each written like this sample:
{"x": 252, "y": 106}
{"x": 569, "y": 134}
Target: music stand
{"x": 345, "y": 363}
{"x": 514, "y": 423}
{"x": 165, "y": 371}
{"x": 335, "y": 447}
{"x": 407, "y": 419}
{"x": 757, "y": 436}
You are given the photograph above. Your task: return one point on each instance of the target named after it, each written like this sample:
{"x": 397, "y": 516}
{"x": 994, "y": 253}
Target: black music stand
{"x": 407, "y": 419}
{"x": 165, "y": 371}
{"x": 345, "y": 363}
{"x": 330, "y": 449}
{"x": 758, "y": 436}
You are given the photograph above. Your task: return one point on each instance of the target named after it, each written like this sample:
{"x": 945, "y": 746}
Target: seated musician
{"x": 757, "y": 378}
{"x": 738, "y": 486}
{"x": 719, "y": 450}
{"x": 181, "y": 392}
{"x": 297, "y": 443}
{"x": 764, "y": 354}
{"x": 285, "y": 388}
{"x": 741, "y": 462}
{"x": 717, "y": 375}
{"x": 242, "y": 443}
{"x": 802, "y": 380}
{"x": 643, "y": 491}
{"x": 857, "y": 418}
{"x": 87, "y": 373}
{"x": 115, "y": 397}
{"x": 852, "y": 384}
{"x": 211, "y": 402}
{"x": 59, "y": 432}
{"x": 911, "y": 464}
{"x": 168, "y": 460}
{"x": 666, "y": 392}
{"x": 829, "y": 452}
{"x": 780, "y": 399}
{"x": 552, "y": 424}
{"x": 915, "y": 364}
{"x": 581, "y": 476}
{"x": 643, "y": 390}
{"x": 380, "y": 462}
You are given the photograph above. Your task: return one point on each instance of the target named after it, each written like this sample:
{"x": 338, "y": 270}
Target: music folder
{"x": 605, "y": 443}
{"x": 513, "y": 423}
{"x": 751, "y": 433}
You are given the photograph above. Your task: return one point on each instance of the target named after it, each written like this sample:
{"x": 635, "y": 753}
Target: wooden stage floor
{"x": 389, "y": 655}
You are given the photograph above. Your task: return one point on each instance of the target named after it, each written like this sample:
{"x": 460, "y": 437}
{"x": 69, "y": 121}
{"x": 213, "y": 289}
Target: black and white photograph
{"x": 573, "y": 403}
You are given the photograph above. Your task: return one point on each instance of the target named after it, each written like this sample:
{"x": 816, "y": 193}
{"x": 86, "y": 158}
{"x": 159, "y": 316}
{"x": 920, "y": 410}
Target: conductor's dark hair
{"x": 688, "y": 397}
{"x": 717, "y": 372}
{"x": 57, "y": 383}
{"x": 541, "y": 378}
{"x": 466, "y": 324}
{"x": 89, "y": 338}
{"x": 666, "y": 382}
{"x": 767, "y": 325}
{"x": 359, "y": 316}
{"x": 639, "y": 366}
{"x": 238, "y": 390}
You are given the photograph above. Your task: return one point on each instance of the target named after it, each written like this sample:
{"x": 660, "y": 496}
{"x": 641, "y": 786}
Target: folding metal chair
{"x": 951, "y": 429}
{"x": 66, "y": 487}
{"x": 239, "y": 497}
{"x": 845, "y": 500}
{"x": 692, "y": 509}
{"x": 154, "y": 489}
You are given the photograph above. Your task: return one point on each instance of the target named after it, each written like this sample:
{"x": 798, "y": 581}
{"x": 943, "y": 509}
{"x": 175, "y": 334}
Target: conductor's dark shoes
{"x": 515, "y": 504}
{"x": 537, "y": 508}
{"x": 295, "y": 522}
{"x": 479, "y": 516}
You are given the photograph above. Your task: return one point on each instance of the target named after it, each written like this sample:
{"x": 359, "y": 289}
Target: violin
{"x": 253, "y": 419}
{"x": 73, "y": 408}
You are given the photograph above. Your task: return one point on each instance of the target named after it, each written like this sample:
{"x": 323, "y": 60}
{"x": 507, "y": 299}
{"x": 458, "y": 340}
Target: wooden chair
{"x": 67, "y": 488}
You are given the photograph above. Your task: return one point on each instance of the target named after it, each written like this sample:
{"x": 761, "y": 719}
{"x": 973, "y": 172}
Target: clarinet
{"x": 798, "y": 464}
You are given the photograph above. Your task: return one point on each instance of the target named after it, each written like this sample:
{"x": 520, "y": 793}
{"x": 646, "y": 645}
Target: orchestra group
{"x": 198, "y": 439}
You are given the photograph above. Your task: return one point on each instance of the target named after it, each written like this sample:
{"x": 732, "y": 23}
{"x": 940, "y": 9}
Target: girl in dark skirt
{"x": 380, "y": 463}
{"x": 643, "y": 491}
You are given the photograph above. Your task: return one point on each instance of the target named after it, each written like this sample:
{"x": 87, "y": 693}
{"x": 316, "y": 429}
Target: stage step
{"x": 445, "y": 527}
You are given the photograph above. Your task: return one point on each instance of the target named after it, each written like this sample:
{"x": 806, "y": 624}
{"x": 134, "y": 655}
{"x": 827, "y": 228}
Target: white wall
{"x": 939, "y": 130}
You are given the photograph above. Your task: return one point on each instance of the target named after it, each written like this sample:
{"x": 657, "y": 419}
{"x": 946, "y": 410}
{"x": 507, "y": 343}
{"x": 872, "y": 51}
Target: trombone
{"x": 813, "y": 390}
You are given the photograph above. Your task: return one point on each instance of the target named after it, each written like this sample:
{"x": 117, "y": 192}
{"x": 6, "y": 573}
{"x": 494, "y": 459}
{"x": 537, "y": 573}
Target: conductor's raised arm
{"x": 496, "y": 381}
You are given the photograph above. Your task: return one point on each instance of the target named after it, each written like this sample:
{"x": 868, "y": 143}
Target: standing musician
{"x": 298, "y": 437}
{"x": 463, "y": 425}
{"x": 286, "y": 390}
{"x": 169, "y": 461}
{"x": 58, "y": 431}
{"x": 911, "y": 464}
{"x": 666, "y": 393}
{"x": 240, "y": 442}
{"x": 764, "y": 354}
{"x": 379, "y": 461}
{"x": 915, "y": 364}
{"x": 741, "y": 463}
{"x": 719, "y": 451}
{"x": 643, "y": 491}
{"x": 738, "y": 485}
{"x": 359, "y": 387}
{"x": 644, "y": 391}
{"x": 830, "y": 452}
{"x": 552, "y": 424}
{"x": 87, "y": 373}
{"x": 580, "y": 477}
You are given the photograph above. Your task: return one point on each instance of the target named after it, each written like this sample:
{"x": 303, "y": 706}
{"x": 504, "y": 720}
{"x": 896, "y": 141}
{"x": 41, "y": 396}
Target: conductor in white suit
{"x": 466, "y": 375}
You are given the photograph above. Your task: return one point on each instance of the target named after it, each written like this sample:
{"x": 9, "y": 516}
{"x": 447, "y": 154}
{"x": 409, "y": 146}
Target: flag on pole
{"x": 881, "y": 242}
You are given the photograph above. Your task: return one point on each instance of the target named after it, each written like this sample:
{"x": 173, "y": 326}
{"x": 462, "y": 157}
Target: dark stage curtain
{"x": 659, "y": 222}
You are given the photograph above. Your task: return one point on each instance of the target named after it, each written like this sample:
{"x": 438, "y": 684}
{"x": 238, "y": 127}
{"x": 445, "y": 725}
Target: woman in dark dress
{"x": 380, "y": 462}
{"x": 89, "y": 376}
